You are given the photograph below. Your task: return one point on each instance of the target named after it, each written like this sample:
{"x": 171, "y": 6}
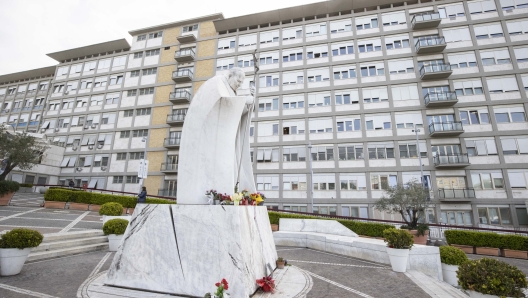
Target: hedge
{"x": 358, "y": 227}
{"x": 67, "y": 195}
{"x": 8, "y": 186}
{"x": 486, "y": 239}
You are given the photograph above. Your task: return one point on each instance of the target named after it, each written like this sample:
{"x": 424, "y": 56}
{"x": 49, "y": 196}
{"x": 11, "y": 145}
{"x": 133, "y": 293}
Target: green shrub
{"x": 400, "y": 239}
{"x": 26, "y": 185}
{"x": 452, "y": 256}
{"x": 358, "y": 227}
{"x": 492, "y": 277}
{"x": 111, "y": 209}
{"x": 57, "y": 194}
{"x": 21, "y": 238}
{"x": 79, "y": 196}
{"x": 159, "y": 201}
{"x": 8, "y": 186}
{"x": 486, "y": 239}
{"x": 115, "y": 226}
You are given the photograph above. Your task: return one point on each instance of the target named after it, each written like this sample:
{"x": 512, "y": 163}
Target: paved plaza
{"x": 331, "y": 275}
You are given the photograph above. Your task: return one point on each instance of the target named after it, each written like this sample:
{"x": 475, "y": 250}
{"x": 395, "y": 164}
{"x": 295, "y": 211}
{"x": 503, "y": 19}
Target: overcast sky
{"x": 29, "y": 29}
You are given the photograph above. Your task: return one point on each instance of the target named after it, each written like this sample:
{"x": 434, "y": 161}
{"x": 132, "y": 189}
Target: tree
{"x": 409, "y": 200}
{"x": 19, "y": 150}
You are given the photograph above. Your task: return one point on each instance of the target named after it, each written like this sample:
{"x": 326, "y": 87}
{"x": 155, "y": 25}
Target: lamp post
{"x": 416, "y": 131}
{"x": 310, "y": 189}
{"x": 143, "y": 165}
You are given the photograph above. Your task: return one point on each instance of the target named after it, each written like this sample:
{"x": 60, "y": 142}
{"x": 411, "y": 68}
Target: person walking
{"x": 142, "y": 197}
{"x": 71, "y": 184}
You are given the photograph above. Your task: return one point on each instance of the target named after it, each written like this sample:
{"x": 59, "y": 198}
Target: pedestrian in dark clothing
{"x": 142, "y": 197}
{"x": 71, "y": 184}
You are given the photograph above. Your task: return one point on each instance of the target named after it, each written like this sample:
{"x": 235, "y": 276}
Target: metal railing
{"x": 184, "y": 52}
{"x": 445, "y": 126}
{"x": 171, "y": 193}
{"x": 451, "y": 159}
{"x": 172, "y": 142}
{"x": 175, "y": 118}
{"x": 455, "y": 193}
{"x": 425, "y": 17}
{"x": 183, "y": 73}
{"x": 427, "y": 69}
{"x": 167, "y": 166}
{"x": 180, "y": 94}
{"x": 429, "y": 41}
{"x": 440, "y": 96}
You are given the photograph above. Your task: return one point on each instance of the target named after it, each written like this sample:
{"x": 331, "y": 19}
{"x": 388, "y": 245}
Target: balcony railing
{"x": 451, "y": 160}
{"x": 172, "y": 142}
{"x": 437, "y": 71}
{"x": 182, "y": 75}
{"x": 430, "y": 44}
{"x": 169, "y": 167}
{"x": 446, "y": 98}
{"x": 167, "y": 193}
{"x": 184, "y": 55}
{"x": 186, "y": 37}
{"x": 451, "y": 128}
{"x": 180, "y": 96}
{"x": 175, "y": 119}
{"x": 453, "y": 193}
{"x": 426, "y": 20}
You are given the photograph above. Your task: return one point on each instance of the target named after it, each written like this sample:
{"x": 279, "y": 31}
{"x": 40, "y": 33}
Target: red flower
{"x": 267, "y": 284}
{"x": 224, "y": 282}
{"x": 217, "y": 284}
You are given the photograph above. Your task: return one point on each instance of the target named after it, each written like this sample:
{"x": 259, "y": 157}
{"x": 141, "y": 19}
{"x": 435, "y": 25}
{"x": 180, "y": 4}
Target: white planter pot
{"x": 12, "y": 260}
{"x": 108, "y": 217}
{"x": 114, "y": 241}
{"x": 398, "y": 259}
{"x": 449, "y": 274}
{"x": 474, "y": 294}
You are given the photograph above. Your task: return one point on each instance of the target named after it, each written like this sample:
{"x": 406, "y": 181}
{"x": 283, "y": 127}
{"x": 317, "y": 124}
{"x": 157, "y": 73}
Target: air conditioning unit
{"x": 6, "y": 111}
{"x": 79, "y": 169}
{"x": 74, "y": 148}
{"x": 57, "y": 129}
{"x": 94, "y": 125}
{"x": 42, "y": 130}
{"x": 86, "y": 127}
{"x": 100, "y": 146}
{"x": 90, "y": 147}
{"x": 103, "y": 168}
{"x": 66, "y": 92}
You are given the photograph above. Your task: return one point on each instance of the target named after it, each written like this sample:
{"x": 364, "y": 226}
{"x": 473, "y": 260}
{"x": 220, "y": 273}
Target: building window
{"x": 352, "y": 181}
{"x": 292, "y": 55}
{"x": 383, "y": 181}
{"x": 342, "y": 49}
{"x": 329, "y": 210}
{"x": 340, "y": 26}
{"x": 142, "y": 112}
{"x": 124, "y": 134}
{"x": 381, "y": 151}
{"x": 190, "y": 28}
{"x": 315, "y": 52}
{"x": 397, "y": 42}
{"x": 268, "y": 81}
{"x": 155, "y": 52}
{"x": 474, "y": 117}
{"x": 512, "y": 146}
{"x": 376, "y": 69}
{"x": 268, "y": 104}
{"x": 121, "y": 156}
{"x": 498, "y": 56}
{"x": 401, "y": 66}
{"x": 315, "y": 29}
{"x": 291, "y": 78}
{"x": 470, "y": 87}
{"x": 367, "y": 22}
{"x": 146, "y": 91}
{"x": 371, "y": 45}
{"x": 131, "y": 93}
{"x": 137, "y": 155}
{"x": 293, "y": 127}
{"x": 322, "y": 153}
{"x": 509, "y": 114}
{"x": 155, "y": 34}
{"x": 451, "y": 11}
{"x": 476, "y": 7}
{"x": 132, "y": 179}
{"x": 344, "y": 97}
{"x": 267, "y": 182}
{"x": 265, "y": 155}
{"x": 293, "y": 154}
{"x": 294, "y": 182}
{"x": 488, "y": 31}
{"x": 150, "y": 71}
{"x": 350, "y": 152}
{"x": 269, "y": 58}
{"x": 462, "y": 60}
{"x": 378, "y": 122}
{"x": 292, "y": 102}
{"x": 247, "y": 40}
{"x": 138, "y": 55}
{"x": 393, "y": 19}
{"x": 409, "y": 150}
{"x": 324, "y": 182}
{"x": 348, "y": 124}
{"x": 292, "y": 33}
{"x": 226, "y": 63}
{"x": 344, "y": 72}
{"x": 502, "y": 84}
{"x": 517, "y": 27}
{"x": 481, "y": 147}
{"x": 494, "y": 215}
{"x": 118, "y": 179}
{"x": 375, "y": 95}
{"x": 461, "y": 218}
{"x": 228, "y": 43}
{"x": 320, "y": 125}
{"x": 405, "y": 92}
{"x": 490, "y": 180}
{"x": 456, "y": 34}
{"x": 246, "y": 61}
{"x": 269, "y": 37}
{"x": 140, "y": 133}
{"x": 318, "y": 99}
{"x": 134, "y": 73}
{"x": 408, "y": 120}
{"x": 141, "y": 37}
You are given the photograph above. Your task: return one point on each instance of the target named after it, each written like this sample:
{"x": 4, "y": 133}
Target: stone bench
{"x": 331, "y": 236}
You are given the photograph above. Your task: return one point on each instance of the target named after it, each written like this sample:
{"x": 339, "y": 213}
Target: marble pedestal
{"x": 186, "y": 249}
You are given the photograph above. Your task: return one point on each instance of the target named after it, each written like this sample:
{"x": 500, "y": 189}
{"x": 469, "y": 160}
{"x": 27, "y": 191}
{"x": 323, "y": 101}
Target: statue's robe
{"x": 213, "y": 142}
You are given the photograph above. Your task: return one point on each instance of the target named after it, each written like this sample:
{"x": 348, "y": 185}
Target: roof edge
{"x": 113, "y": 45}
{"x": 178, "y": 23}
{"x": 27, "y": 74}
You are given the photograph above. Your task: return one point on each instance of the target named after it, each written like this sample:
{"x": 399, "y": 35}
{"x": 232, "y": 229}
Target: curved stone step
{"x": 46, "y": 246}
{"x": 42, "y": 255}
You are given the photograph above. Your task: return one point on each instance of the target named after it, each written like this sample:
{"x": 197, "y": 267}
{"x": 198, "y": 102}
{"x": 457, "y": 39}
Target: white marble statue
{"x": 214, "y": 149}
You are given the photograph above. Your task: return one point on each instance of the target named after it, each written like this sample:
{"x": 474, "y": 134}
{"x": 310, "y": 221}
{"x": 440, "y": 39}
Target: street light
{"x": 416, "y": 131}
{"x": 144, "y": 140}
{"x": 310, "y": 191}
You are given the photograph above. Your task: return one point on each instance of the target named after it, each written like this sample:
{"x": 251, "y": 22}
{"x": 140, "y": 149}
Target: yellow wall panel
{"x": 204, "y": 68}
{"x": 206, "y": 48}
{"x": 156, "y": 137}
{"x": 165, "y": 73}
{"x": 167, "y": 56}
{"x": 207, "y": 29}
{"x": 170, "y": 35}
{"x": 159, "y": 115}
{"x": 162, "y": 94}
{"x": 155, "y": 159}
{"x": 153, "y": 184}
{"x": 197, "y": 86}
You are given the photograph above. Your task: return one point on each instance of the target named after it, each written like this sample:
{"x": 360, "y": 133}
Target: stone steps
{"x": 31, "y": 199}
{"x": 434, "y": 287}
{"x": 65, "y": 244}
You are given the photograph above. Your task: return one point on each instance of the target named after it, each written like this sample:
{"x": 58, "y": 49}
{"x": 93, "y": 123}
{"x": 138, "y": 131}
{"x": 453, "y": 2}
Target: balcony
{"x": 175, "y": 120}
{"x": 186, "y": 37}
{"x": 35, "y": 108}
{"x": 426, "y": 20}
{"x": 451, "y": 161}
{"x": 431, "y": 44}
{"x": 184, "y": 55}
{"x": 434, "y": 72}
{"x": 169, "y": 167}
{"x": 180, "y": 96}
{"x": 182, "y": 76}
{"x": 440, "y": 99}
{"x": 4, "y": 111}
{"x": 167, "y": 193}
{"x": 458, "y": 195}
{"x": 171, "y": 143}
{"x": 446, "y": 129}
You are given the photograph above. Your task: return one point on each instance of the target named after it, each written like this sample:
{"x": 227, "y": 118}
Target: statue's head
{"x": 235, "y": 77}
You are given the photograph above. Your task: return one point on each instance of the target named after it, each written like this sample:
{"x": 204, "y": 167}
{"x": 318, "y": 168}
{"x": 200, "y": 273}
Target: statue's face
{"x": 236, "y": 81}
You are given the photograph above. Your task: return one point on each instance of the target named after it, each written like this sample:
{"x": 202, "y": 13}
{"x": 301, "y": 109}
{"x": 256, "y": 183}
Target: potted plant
{"x": 114, "y": 229}
{"x": 491, "y": 278}
{"x": 451, "y": 257}
{"x": 399, "y": 242}
{"x": 15, "y": 247}
{"x": 110, "y": 211}
{"x": 410, "y": 201}
{"x": 7, "y": 189}
{"x": 280, "y": 263}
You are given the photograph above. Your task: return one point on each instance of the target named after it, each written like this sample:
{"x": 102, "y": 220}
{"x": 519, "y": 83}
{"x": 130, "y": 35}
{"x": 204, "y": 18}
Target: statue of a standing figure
{"x": 214, "y": 149}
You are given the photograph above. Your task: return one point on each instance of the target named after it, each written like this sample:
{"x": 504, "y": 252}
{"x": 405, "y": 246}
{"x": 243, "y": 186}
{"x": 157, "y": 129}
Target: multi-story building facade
{"x": 352, "y": 79}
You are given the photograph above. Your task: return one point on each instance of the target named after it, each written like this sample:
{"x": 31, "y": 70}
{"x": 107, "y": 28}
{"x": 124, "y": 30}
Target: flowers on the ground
{"x": 220, "y": 288}
{"x": 267, "y": 283}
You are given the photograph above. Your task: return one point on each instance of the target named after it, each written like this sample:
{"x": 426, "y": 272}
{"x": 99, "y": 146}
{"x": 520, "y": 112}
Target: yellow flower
{"x": 236, "y": 198}
{"x": 257, "y": 198}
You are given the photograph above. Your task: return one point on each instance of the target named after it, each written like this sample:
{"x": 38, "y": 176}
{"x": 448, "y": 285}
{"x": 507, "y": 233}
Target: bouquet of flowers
{"x": 267, "y": 283}
{"x": 223, "y": 198}
{"x": 220, "y": 288}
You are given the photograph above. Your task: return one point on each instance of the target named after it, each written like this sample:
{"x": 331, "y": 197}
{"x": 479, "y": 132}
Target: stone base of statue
{"x": 186, "y": 249}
